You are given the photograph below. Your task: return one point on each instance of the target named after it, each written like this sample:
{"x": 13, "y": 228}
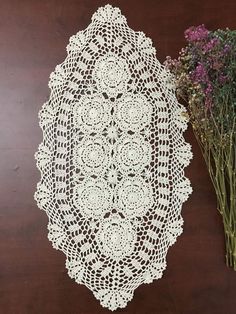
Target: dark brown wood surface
{"x": 33, "y": 279}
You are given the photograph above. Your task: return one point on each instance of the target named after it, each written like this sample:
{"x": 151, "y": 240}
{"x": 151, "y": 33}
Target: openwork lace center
{"x": 112, "y": 159}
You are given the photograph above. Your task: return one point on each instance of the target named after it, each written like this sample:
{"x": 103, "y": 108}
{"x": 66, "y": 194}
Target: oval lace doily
{"x": 112, "y": 159}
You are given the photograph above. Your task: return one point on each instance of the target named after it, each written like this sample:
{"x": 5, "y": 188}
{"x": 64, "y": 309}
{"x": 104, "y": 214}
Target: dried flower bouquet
{"x": 205, "y": 76}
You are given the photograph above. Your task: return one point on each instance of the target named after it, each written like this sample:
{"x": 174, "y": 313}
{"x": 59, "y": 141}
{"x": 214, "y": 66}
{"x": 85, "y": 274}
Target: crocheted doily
{"x": 112, "y": 159}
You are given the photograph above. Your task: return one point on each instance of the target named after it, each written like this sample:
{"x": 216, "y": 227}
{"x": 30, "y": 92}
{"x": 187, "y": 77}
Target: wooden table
{"x": 33, "y": 279}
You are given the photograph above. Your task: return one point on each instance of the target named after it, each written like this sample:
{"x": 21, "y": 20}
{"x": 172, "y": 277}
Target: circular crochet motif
{"x": 111, "y": 74}
{"x": 133, "y": 153}
{"x": 93, "y": 198}
{"x": 116, "y": 237}
{"x": 92, "y": 155}
{"x": 133, "y": 112}
{"x": 112, "y": 160}
{"x": 134, "y": 197}
{"x": 92, "y": 113}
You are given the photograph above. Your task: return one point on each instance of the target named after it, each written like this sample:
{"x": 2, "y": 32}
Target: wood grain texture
{"x": 33, "y": 279}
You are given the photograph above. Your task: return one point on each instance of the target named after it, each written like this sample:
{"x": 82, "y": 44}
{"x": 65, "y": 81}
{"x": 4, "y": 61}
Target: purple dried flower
{"x": 196, "y": 33}
{"x": 226, "y": 48}
{"x": 210, "y": 45}
{"x": 209, "y": 89}
{"x": 199, "y": 75}
{"x": 223, "y": 79}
